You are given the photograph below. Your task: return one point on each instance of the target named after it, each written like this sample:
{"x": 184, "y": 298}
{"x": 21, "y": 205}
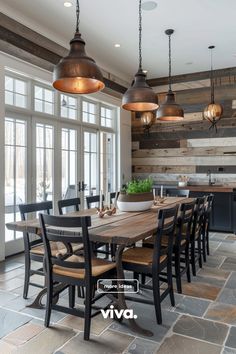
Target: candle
{"x": 115, "y": 201}
{"x": 154, "y": 193}
{"x": 109, "y": 200}
{"x": 161, "y": 191}
{"x": 100, "y": 201}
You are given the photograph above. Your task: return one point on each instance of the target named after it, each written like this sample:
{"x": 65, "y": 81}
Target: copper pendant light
{"x": 140, "y": 97}
{"x": 77, "y": 73}
{"x": 170, "y": 110}
{"x": 213, "y": 111}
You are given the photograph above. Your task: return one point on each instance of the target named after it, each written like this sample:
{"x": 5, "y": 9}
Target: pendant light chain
{"x": 212, "y": 80}
{"x": 170, "y": 62}
{"x": 77, "y": 15}
{"x": 140, "y": 35}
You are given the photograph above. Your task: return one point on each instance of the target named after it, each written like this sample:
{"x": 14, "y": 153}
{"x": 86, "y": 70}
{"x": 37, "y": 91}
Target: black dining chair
{"x": 152, "y": 261}
{"x": 93, "y": 201}
{"x": 72, "y": 270}
{"x": 206, "y": 224}
{"x": 33, "y": 246}
{"x": 196, "y": 232}
{"x": 177, "y": 193}
{"x": 180, "y": 259}
{"x": 64, "y": 204}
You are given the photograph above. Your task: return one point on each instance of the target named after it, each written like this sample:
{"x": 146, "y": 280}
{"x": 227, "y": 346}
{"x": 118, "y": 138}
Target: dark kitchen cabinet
{"x": 222, "y": 218}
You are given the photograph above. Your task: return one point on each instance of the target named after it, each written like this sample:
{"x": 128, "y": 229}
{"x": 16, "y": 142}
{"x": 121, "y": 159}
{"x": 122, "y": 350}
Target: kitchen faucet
{"x": 210, "y": 182}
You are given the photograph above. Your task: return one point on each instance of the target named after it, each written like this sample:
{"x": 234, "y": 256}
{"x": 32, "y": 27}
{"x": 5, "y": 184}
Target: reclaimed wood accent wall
{"x": 188, "y": 147}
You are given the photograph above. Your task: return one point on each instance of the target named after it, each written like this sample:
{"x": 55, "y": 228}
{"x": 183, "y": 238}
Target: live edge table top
{"x": 120, "y": 228}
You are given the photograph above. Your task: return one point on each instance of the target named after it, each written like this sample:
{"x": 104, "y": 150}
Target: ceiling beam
{"x": 26, "y": 44}
{"x": 203, "y": 75}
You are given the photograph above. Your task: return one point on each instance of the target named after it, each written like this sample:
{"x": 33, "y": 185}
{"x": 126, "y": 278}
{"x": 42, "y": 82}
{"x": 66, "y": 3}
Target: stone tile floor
{"x": 203, "y": 320}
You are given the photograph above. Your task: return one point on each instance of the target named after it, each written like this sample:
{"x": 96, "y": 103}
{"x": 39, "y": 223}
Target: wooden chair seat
{"x": 150, "y": 241}
{"x": 140, "y": 255}
{"x": 99, "y": 267}
{"x": 56, "y": 248}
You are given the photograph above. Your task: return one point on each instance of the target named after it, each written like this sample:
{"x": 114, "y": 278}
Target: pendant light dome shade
{"x": 140, "y": 97}
{"x": 170, "y": 110}
{"x": 77, "y": 73}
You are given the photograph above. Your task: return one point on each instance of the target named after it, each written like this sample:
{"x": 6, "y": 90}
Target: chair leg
{"x": 48, "y": 303}
{"x": 178, "y": 272}
{"x": 199, "y": 246}
{"x": 207, "y": 240}
{"x": 71, "y": 296}
{"x": 27, "y": 275}
{"x": 170, "y": 283}
{"x": 187, "y": 265}
{"x": 143, "y": 279}
{"x": 204, "y": 245}
{"x": 193, "y": 257}
{"x": 87, "y": 313}
{"x": 157, "y": 298}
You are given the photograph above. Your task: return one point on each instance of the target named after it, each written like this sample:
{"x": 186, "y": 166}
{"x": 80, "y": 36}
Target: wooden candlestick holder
{"x": 106, "y": 211}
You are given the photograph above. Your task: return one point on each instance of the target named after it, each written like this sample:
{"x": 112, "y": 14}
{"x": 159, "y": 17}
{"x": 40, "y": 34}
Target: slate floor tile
{"x": 201, "y": 329}
{"x": 182, "y": 345}
{"x": 229, "y": 351}
{"x": 231, "y": 340}
{"x": 108, "y": 343}
{"x": 40, "y": 313}
{"x": 147, "y": 319}
{"x": 215, "y": 261}
{"x": 231, "y": 282}
{"x": 47, "y": 342}
{"x": 202, "y": 290}
{"x": 227, "y": 296}
{"x": 192, "y": 306}
{"x": 6, "y": 348}
{"x": 98, "y": 323}
{"x": 142, "y": 346}
{"x": 23, "y": 334}
{"x": 222, "y": 313}
{"x": 10, "y": 320}
{"x": 213, "y": 273}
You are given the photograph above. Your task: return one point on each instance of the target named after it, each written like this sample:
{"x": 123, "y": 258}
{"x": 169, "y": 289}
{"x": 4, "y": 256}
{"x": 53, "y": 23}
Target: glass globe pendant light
{"x": 213, "y": 111}
{"x": 77, "y": 73}
{"x": 140, "y": 97}
{"x": 170, "y": 110}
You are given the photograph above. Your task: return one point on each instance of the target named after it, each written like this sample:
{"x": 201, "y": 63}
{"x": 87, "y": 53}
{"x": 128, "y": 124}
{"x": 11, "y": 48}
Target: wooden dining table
{"x": 122, "y": 229}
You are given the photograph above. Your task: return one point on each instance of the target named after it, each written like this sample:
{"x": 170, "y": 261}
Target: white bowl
{"x": 134, "y": 206}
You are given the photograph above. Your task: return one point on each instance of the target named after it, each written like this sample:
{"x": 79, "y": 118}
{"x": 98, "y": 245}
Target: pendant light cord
{"x": 170, "y": 62}
{"x": 77, "y": 15}
{"x": 212, "y": 79}
{"x": 140, "y": 35}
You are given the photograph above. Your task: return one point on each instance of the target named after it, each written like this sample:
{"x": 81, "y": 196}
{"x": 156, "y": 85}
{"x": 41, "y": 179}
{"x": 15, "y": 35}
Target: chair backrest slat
{"x": 34, "y": 207}
{"x": 93, "y": 199}
{"x": 65, "y": 203}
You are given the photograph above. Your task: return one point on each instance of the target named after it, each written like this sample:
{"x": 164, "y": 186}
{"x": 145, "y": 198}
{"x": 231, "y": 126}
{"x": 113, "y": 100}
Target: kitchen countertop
{"x": 224, "y": 188}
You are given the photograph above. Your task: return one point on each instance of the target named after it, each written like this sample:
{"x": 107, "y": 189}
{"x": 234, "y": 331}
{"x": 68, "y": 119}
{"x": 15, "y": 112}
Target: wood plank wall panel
{"x": 188, "y": 147}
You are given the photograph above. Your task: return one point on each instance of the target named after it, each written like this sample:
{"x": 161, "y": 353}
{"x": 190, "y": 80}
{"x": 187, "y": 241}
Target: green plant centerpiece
{"x": 136, "y": 196}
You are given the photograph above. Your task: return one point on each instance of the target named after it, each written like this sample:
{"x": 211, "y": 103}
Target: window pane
{"x": 20, "y": 101}
{"x": 93, "y": 142}
{"x": 48, "y": 108}
{"x": 38, "y": 106}
{"x": 8, "y": 83}
{"x": 38, "y": 92}
{"x": 48, "y": 95}
{"x": 9, "y": 132}
{"x": 20, "y": 87}
{"x": 8, "y": 97}
{"x": 86, "y": 141}
{"x": 20, "y": 134}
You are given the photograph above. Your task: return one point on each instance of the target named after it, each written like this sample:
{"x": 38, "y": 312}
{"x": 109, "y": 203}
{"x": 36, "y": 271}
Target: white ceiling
{"x": 197, "y": 24}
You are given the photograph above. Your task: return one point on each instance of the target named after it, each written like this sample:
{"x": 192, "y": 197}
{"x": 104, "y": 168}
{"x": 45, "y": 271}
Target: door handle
{"x": 79, "y": 186}
{"x": 83, "y": 187}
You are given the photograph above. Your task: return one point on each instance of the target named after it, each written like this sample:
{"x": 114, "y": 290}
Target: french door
{"x": 47, "y": 160}
{"x": 17, "y": 140}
